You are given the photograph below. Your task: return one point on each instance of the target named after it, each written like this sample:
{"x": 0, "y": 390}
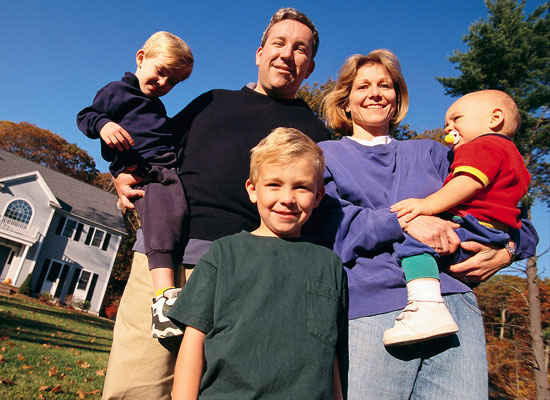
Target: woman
{"x": 368, "y": 171}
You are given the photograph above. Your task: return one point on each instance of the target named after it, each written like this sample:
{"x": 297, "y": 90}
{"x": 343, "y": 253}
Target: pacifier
{"x": 452, "y": 138}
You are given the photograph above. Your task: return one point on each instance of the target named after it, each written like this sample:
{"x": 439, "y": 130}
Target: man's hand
{"x": 411, "y": 208}
{"x": 123, "y": 184}
{"x": 115, "y": 135}
{"x": 434, "y": 232}
{"x": 481, "y": 266}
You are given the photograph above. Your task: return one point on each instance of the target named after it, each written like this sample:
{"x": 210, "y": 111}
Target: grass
{"x": 50, "y": 352}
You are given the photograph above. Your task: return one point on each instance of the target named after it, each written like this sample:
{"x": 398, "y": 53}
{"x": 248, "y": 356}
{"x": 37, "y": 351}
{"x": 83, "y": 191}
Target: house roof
{"x": 76, "y": 197}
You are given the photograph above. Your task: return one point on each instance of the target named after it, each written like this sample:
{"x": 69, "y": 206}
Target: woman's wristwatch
{"x": 512, "y": 253}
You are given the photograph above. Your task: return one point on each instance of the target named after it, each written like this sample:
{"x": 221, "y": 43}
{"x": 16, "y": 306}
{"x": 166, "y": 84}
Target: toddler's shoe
{"x": 420, "y": 320}
{"x": 162, "y": 326}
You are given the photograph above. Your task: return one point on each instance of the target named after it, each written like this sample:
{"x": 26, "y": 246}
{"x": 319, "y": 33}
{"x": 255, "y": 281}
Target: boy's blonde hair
{"x": 283, "y": 146}
{"x": 335, "y": 103}
{"x": 177, "y": 53}
{"x": 283, "y": 14}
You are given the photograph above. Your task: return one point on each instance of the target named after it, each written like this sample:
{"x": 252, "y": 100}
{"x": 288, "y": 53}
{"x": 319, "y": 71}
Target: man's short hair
{"x": 174, "y": 49}
{"x": 294, "y": 15}
{"x": 284, "y": 146}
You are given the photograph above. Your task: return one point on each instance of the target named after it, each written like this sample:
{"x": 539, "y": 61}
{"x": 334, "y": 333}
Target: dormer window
{"x": 18, "y": 213}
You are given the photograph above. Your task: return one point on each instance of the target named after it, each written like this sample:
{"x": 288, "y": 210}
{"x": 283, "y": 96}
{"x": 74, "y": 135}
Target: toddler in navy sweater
{"x": 136, "y": 134}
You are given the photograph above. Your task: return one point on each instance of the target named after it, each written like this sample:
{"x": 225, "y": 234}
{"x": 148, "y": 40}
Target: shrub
{"x": 84, "y": 305}
{"x": 25, "y": 287}
{"x": 45, "y": 297}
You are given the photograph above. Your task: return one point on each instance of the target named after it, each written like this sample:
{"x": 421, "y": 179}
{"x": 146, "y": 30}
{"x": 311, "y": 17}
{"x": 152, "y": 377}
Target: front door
{"x": 4, "y": 257}
{"x": 52, "y": 278}
{"x": 82, "y": 287}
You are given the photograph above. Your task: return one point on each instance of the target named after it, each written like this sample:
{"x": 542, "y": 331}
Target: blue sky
{"x": 57, "y": 54}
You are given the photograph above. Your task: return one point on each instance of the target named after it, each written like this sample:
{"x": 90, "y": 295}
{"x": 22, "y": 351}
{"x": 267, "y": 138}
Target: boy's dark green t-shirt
{"x": 273, "y": 311}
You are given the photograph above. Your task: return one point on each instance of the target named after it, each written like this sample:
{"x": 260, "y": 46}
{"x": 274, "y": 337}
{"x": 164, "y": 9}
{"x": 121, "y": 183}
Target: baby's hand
{"x": 115, "y": 135}
{"x": 411, "y": 208}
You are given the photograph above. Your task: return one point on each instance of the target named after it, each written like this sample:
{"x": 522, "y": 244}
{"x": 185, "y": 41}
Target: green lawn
{"x": 49, "y": 352}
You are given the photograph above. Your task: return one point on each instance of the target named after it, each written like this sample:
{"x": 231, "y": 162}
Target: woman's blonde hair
{"x": 336, "y": 102}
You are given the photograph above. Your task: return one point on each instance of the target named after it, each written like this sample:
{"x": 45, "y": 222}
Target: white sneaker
{"x": 162, "y": 326}
{"x": 420, "y": 320}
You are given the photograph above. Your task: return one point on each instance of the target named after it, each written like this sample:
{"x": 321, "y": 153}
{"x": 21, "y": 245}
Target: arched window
{"x": 18, "y": 213}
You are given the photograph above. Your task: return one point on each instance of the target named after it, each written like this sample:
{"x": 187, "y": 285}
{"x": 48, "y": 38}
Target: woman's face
{"x": 372, "y": 102}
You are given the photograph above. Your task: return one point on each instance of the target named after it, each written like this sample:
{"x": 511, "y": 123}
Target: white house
{"x": 62, "y": 231}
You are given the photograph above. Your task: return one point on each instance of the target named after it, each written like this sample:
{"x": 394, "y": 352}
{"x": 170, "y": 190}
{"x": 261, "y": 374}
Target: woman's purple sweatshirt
{"x": 354, "y": 218}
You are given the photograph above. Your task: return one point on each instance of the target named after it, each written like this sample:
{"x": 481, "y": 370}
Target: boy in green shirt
{"x": 264, "y": 310}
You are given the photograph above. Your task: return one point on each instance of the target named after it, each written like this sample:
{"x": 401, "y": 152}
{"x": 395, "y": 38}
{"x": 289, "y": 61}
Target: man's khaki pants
{"x": 140, "y": 367}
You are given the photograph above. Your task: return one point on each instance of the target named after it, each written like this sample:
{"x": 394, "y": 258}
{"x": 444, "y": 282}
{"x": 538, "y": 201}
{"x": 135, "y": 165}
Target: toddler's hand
{"x": 115, "y": 135}
{"x": 411, "y": 208}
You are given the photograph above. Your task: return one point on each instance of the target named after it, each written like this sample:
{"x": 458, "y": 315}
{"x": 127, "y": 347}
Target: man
{"x": 220, "y": 127}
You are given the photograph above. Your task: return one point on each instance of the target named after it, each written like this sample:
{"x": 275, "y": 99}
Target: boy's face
{"x": 470, "y": 116}
{"x": 155, "y": 77}
{"x": 286, "y": 196}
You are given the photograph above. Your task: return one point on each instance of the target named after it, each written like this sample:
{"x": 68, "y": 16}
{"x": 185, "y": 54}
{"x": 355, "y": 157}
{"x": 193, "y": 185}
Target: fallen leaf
{"x": 26, "y": 367}
{"x": 7, "y": 382}
{"x": 46, "y": 345}
{"x": 44, "y": 388}
{"x": 53, "y": 371}
{"x": 20, "y": 357}
{"x": 82, "y": 394}
{"x": 92, "y": 340}
{"x": 85, "y": 365}
{"x": 98, "y": 373}
{"x": 2, "y": 359}
{"x": 57, "y": 389}
{"x": 87, "y": 380}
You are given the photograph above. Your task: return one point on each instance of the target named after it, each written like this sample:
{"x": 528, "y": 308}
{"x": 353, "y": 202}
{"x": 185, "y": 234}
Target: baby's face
{"x": 470, "y": 117}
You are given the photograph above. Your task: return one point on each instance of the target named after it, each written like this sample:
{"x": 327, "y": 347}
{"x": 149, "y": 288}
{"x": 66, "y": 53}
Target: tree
{"x": 511, "y": 52}
{"x": 505, "y": 306}
{"x": 47, "y": 149}
{"x": 314, "y": 94}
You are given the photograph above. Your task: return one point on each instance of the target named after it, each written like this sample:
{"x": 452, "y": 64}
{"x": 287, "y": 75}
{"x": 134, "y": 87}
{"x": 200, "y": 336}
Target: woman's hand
{"x": 434, "y": 232}
{"x": 481, "y": 266}
{"x": 123, "y": 184}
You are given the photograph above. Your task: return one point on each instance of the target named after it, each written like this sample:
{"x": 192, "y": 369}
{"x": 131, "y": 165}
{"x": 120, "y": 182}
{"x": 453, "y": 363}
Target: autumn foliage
{"x": 47, "y": 149}
{"x": 504, "y": 302}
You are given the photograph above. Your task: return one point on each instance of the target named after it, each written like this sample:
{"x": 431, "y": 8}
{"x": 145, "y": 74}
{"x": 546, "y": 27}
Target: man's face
{"x": 285, "y": 60}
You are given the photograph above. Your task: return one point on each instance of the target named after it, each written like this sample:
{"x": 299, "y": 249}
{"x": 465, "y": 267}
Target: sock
{"x": 424, "y": 290}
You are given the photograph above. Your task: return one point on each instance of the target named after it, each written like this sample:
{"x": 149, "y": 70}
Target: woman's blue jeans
{"x": 453, "y": 367}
